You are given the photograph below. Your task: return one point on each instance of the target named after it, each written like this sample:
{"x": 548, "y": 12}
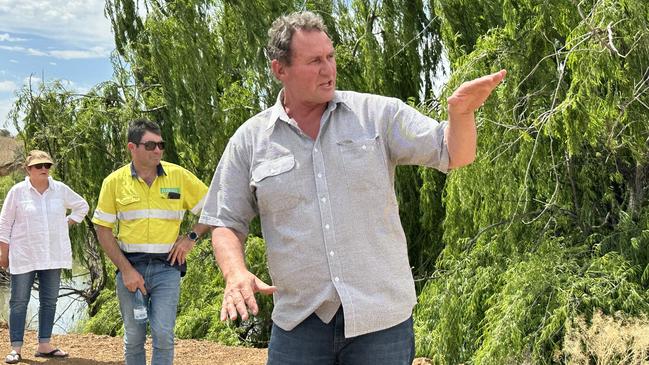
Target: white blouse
{"x": 36, "y": 226}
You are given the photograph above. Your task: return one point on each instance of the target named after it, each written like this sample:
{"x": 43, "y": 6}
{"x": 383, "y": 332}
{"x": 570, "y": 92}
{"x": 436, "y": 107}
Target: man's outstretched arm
{"x": 461, "y": 135}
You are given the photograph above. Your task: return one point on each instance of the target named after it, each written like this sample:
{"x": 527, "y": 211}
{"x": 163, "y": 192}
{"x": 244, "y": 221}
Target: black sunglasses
{"x": 150, "y": 145}
{"x": 39, "y": 166}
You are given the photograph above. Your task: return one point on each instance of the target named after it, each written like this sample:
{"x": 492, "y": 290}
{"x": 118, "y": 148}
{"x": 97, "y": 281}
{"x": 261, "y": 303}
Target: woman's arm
{"x": 7, "y": 219}
{"x": 77, "y": 204}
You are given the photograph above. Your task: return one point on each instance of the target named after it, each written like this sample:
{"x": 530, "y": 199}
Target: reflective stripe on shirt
{"x": 148, "y": 247}
{"x": 110, "y": 218}
{"x": 151, "y": 213}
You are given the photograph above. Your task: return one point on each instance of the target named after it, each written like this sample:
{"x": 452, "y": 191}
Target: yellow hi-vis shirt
{"x": 148, "y": 218}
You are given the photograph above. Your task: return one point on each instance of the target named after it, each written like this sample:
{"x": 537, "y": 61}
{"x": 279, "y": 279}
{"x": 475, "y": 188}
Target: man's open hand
{"x": 239, "y": 295}
{"x": 472, "y": 94}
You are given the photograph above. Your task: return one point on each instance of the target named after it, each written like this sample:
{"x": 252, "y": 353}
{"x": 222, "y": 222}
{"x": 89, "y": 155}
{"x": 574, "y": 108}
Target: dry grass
{"x": 607, "y": 340}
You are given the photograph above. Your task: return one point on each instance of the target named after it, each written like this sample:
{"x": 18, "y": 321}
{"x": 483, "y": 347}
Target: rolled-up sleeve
{"x": 7, "y": 216}
{"x": 415, "y": 139}
{"x": 229, "y": 201}
{"x": 76, "y": 203}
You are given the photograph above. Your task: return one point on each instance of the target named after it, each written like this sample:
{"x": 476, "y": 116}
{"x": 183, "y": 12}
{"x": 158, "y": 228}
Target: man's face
{"x": 143, "y": 157}
{"x": 311, "y": 77}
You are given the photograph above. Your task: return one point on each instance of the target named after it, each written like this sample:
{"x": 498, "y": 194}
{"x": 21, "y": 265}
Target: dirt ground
{"x": 91, "y": 349}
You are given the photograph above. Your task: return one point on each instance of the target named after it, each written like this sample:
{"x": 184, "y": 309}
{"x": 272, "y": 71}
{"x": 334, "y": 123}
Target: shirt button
{"x": 326, "y": 226}
{"x": 331, "y": 253}
{"x": 364, "y": 147}
{"x": 336, "y": 279}
{"x": 319, "y": 175}
{"x": 315, "y": 149}
{"x": 323, "y": 199}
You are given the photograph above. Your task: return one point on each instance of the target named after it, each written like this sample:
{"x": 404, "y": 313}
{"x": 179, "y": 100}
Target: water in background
{"x": 70, "y": 310}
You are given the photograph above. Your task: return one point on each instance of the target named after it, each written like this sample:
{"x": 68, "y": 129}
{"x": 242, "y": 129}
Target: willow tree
{"x": 200, "y": 66}
{"x": 552, "y": 221}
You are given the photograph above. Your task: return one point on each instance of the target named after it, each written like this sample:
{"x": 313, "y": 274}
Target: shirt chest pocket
{"x": 126, "y": 198}
{"x": 364, "y": 164}
{"x": 27, "y": 209}
{"x": 277, "y": 184}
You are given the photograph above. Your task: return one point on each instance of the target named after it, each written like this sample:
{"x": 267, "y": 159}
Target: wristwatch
{"x": 193, "y": 236}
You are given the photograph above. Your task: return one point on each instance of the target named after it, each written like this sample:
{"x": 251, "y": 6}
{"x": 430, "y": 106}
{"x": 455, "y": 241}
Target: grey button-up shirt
{"x": 328, "y": 209}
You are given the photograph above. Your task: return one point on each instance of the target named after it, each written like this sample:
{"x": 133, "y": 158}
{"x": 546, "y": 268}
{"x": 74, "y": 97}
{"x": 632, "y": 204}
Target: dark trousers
{"x": 316, "y": 343}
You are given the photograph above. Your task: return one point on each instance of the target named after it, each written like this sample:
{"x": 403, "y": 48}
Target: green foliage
{"x": 108, "y": 320}
{"x": 551, "y": 220}
{"x": 202, "y": 293}
{"x": 6, "y": 182}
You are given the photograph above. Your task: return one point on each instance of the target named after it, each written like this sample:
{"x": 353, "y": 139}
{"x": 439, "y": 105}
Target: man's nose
{"x": 328, "y": 67}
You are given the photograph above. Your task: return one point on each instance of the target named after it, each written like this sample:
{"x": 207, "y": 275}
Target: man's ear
{"x": 131, "y": 146}
{"x": 278, "y": 69}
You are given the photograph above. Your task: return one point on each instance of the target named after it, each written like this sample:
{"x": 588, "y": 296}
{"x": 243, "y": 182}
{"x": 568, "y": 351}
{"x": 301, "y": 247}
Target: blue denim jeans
{"x": 316, "y": 343}
{"x": 163, "y": 289}
{"x": 48, "y": 294}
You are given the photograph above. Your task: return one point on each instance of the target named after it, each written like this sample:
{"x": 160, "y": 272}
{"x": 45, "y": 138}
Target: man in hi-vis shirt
{"x": 146, "y": 201}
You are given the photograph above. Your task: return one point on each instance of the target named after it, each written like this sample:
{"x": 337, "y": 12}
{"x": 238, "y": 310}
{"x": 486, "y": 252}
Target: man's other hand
{"x": 180, "y": 250}
{"x": 239, "y": 295}
{"x": 133, "y": 280}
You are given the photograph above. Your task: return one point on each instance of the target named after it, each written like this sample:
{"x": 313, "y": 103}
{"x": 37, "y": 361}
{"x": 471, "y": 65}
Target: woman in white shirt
{"x": 34, "y": 241}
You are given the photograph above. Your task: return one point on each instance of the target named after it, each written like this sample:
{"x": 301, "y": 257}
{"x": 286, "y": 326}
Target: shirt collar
{"x": 159, "y": 170}
{"x": 277, "y": 111}
{"x": 50, "y": 180}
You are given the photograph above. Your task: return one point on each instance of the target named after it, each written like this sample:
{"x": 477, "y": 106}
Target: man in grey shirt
{"x": 318, "y": 168}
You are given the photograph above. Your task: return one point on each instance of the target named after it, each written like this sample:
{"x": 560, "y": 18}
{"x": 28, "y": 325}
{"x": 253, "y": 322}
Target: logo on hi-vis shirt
{"x": 170, "y": 193}
{"x": 169, "y": 190}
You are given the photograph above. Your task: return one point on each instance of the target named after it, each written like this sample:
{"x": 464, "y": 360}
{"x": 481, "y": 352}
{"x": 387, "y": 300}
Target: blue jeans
{"x": 316, "y": 343}
{"x": 48, "y": 294}
{"x": 163, "y": 287}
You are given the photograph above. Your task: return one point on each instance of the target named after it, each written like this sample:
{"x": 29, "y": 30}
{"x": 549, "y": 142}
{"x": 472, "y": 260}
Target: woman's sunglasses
{"x": 39, "y": 166}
